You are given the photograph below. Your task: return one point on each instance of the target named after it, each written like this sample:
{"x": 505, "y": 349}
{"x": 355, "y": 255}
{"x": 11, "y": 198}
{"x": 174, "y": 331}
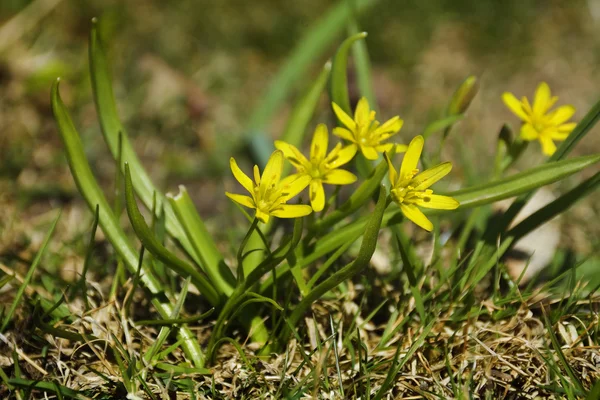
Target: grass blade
{"x": 27, "y": 279}
{"x": 339, "y": 73}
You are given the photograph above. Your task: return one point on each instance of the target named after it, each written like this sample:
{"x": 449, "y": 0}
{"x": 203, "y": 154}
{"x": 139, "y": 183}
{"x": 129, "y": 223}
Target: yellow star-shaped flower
{"x": 269, "y": 192}
{"x": 539, "y": 123}
{"x": 410, "y": 189}
{"x": 322, "y": 167}
{"x": 365, "y": 133}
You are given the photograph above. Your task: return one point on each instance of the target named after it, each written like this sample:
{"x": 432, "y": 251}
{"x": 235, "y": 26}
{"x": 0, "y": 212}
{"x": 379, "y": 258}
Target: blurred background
{"x": 189, "y": 74}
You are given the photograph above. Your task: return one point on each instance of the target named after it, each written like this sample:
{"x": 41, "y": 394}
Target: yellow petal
{"x": 246, "y": 201}
{"x": 391, "y": 170}
{"x": 272, "y": 172}
{"x": 567, "y": 128}
{"x": 369, "y": 152}
{"x": 528, "y": 132}
{"x": 548, "y": 146}
{"x": 344, "y": 134}
{"x": 541, "y": 101}
{"x": 294, "y": 184}
{"x": 558, "y": 135}
{"x": 411, "y": 212}
{"x": 411, "y": 158}
{"x": 339, "y": 177}
{"x": 430, "y": 176}
{"x": 293, "y": 155}
{"x": 343, "y": 117}
{"x": 398, "y": 148}
{"x": 256, "y": 175}
{"x": 401, "y": 148}
{"x": 291, "y": 211}
{"x": 438, "y": 201}
{"x": 514, "y": 105}
{"x": 317, "y": 195}
{"x": 391, "y": 125}
{"x": 362, "y": 112}
{"x": 262, "y": 216}
{"x": 240, "y": 176}
{"x": 561, "y": 114}
{"x": 318, "y": 146}
{"x": 339, "y": 157}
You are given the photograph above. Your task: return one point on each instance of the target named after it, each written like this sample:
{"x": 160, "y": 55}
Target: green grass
{"x": 164, "y": 306}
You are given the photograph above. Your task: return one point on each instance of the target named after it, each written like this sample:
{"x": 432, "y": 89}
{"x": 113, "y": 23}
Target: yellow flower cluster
{"x": 410, "y": 189}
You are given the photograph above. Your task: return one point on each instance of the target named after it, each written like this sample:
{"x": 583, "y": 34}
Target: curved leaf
{"x": 339, "y": 79}
{"x": 146, "y": 236}
{"x": 91, "y": 192}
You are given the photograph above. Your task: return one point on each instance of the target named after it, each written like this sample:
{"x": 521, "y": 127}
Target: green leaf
{"x": 47, "y": 387}
{"x": 212, "y": 260}
{"x": 146, "y": 236}
{"x": 522, "y": 182}
{"x": 555, "y": 208}
{"x": 91, "y": 192}
{"x": 339, "y": 79}
{"x": 441, "y": 124}
{"x": 365, "y": 253}
{"x": 113, "y": 130}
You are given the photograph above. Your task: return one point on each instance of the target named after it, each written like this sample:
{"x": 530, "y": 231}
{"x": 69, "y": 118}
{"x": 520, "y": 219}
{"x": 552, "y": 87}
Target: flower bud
{"x": 463, "y": 96}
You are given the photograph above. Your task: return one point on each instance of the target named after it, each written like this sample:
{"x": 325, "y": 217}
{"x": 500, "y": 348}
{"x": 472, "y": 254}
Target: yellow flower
{"x": 365, "y": 133}
{"x": 538, "y": 122}
{"x": 322, "y": 167}
{"x": 410, "y": 189}
{"x": 269, "y": 192}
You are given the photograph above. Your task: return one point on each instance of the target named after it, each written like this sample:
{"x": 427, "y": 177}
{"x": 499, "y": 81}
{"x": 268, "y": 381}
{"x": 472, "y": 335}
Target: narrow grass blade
{"x": 365, "y": 253}
{"x": 441, "y": 124}
{"x": 395, "y": 369}
{"x": 81, "y": 285}
{"x": 118, "y": 142}
{"x": 29, "y": 276}
{"x": 51, "y": 387}
{"x": 360, "y": 55}
{"x": 212, "y": 260}
{"x": 410, "y": 269}
{"x": 91, "y": 192}
{"x": 150, "y": 242}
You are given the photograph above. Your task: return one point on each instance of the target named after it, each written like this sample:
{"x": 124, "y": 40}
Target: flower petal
{"x": 317, "y": 195}
{"x": 438, "y": 202}
{"x": 344, "y": 134}
{"x": 392, "y": 125}
{"x": 343, "y": 117}
{"x": 272, "y": 172}
{"x": 362, "y": 112}
{"x": 369, "y": 152}
{"x": 240, "y": 176}
{"x": 294, "y": 184}
{"x": 291, "y": 211}
{"x": 561, "y": 114}
{"x": 262, "y": 216}
{"x": 514, "y": 105}
{"x": 411, "y": 212}
{"x": 411, "y": 158}
{"x": 541, "y": 101}
{"x": 339, "y": 157}
{"x": 548, "y": 146}
{"x": 246, "y": 201}
{"x": 430, "y": 176}
{"x": 528, "y": 132}
{"x": 567, "y": 128}
{"x": 556, "y": 134}
{"x": 319, "y": 144}
{"x": 339, "y": 177}
{"x": 293, "y": 155}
